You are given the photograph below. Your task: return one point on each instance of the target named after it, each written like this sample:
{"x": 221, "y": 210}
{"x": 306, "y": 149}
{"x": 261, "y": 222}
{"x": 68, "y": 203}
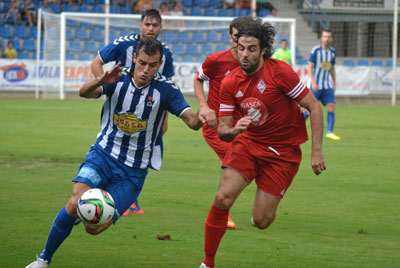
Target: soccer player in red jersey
{"x": 266, "y": 139}
{"x": 214, "y": 69}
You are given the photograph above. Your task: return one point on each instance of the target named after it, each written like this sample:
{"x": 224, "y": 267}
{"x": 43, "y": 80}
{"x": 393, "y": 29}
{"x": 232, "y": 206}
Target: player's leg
{"x": 264, "y": 210}
{"x": 329, "y": 101}
{"x": 231, "y": 185}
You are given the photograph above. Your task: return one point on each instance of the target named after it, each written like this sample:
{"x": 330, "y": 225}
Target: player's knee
{"x": 223, "y": 201}
{"x": 71, "y": 206}
{"x": 94, "y": 230}
{"x": 263, "y": 222}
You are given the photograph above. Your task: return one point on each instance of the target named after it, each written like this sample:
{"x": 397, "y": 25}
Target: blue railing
{"x": 317, "y": 14}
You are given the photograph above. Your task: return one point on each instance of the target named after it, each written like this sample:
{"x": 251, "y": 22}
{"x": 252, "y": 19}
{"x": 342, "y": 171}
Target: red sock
{"x": 215, "y": 230}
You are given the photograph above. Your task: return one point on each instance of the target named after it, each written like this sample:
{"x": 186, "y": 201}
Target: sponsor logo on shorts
{"x": 129, "y": 123}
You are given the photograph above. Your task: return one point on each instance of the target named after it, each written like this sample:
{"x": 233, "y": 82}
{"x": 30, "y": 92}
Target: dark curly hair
{"x": 265, "y": 33}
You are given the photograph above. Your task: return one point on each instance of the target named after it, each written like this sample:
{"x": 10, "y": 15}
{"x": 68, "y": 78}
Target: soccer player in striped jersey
{"x": 321, "y": 67}
{"x": 214, "y": 69}
{"x": 130, "y": 140}
{"x": 266, "y": 139}
{"x": 122, "y": 50}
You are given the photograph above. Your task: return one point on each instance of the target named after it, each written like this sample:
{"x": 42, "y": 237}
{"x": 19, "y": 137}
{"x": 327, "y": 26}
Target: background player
{"x": 283, "y": 53}
{"x": 266, "y": 140}
{"x": 214, "y": 69}
{"x": 122, "y": 50}
{"x": 119, "y": 159}
{"x": 321, "y": 66}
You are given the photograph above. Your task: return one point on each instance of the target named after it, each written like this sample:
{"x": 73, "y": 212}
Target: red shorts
{"x": 273, "y": 167}
{"x": 211, "y": 137}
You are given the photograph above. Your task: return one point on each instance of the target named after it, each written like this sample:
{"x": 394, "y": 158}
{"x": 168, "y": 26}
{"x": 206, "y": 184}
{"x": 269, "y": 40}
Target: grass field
{"x": 347, "y": 217}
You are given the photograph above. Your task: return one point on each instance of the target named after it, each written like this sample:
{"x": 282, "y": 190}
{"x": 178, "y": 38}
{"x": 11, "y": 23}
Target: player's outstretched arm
{"x": 191, "y": 119}
{"x": 228, "y": 133}
{"x": 206, "y": 114}
{"x": 317, "y": 125}
{"x": 97, "y": 67}
{"x": 92, "y": 89}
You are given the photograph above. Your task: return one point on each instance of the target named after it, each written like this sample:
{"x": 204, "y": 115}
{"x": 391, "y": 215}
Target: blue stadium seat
{"x": 90, "y": 46}
{"x": 20, "y": 32}
{"x": 97, "y": 9}
{"x": 192, "y": 50}
{"x": 29, "y": 45}
{"x": 114, "y": 9}
{"x": 209, "y": 12}
{"x": 33, "y": 32}
{"x": 55, "y": 8}
{"x": 238, "y": 12}
{"x": 196, "y": 11}
{"x": 190, "y": 24}
{"x": 125, "y": 10}
{"x": 222, "y": 12}
{"x": 168, "y": 37}
{"x": 72, "y": 23}
{"x": 201, "y": 3}
{"x": 212, "y": 37}
{"x": 198, "y": 37}
{"x": 389, "y": 63}
{"x": 298, "y": 54}
{"x": 215, "y": 3}
{"x": 207, "y": 49}
{"x": 17, "y": 45}
{"x": 178, "y": 49}
{"x": 377, "y": 63}
{"x": 70, "y": 56}
{"x": 74, "y": 46}
{"x": 82, "y": 8}
{"x": 246, "y": 12}
{"x": 5, "y": 31}
{"x": 23, "y": 55}
{"x": 89, "y": 2}
{"x": 95, "y": 35}
{"x": 363, "y": 62}
{"x": 69, "y": 35}
{"x": 187, "y": 58}
{"x": 81, "y": 34}
{"x": 302, "y": 61}
{"x": 85, "y": 57}
{"x": 221, "y": 47}
{"x": 2, "y": 43}
{"x": 68, "y": 7}
{"x": 349, "y": 62}
{"x": 264, "y": 13}
{"x": 187, "y": 3}
{"x": 183, "y": 37}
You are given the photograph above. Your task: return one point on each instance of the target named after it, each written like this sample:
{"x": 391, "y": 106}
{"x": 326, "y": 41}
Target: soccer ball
{"x": 96, "y": 207}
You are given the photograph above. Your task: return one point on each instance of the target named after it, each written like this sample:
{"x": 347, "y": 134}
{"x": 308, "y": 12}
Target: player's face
{"x": 250, "y": 55}
{"x": 150, "y": 27}
{"x": 326, "y": 39}
{"x": 233, "y": 38}
{"x": 145, "y": 67}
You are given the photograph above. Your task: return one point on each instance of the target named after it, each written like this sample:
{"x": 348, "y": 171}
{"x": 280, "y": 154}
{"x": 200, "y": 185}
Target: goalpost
{"x": 71, "y": 41}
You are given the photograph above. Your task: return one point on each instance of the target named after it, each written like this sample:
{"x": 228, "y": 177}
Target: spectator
{"x": 143, "y": 5}
{"x": 163, "y": 9}
{"x": 237, "y": 4}
{"x": 264, "y": 4}
{"x": 121, "y": 2}
{"x": 12, "y": 16}
{"x": 177, "y": 9}
{"x": 28, "y": 12}
{"x": 45, "y": 7}
{"x": 10, "y": 52}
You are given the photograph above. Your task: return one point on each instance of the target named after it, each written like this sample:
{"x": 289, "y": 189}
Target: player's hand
{"x": 241, "y": 125}
{"x": 318, "y": 161}
{"x": 207, "y": 115}
{"x": 111, "y": 76}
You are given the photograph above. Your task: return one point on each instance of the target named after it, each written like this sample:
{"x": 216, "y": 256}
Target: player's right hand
{"x": 111, "y": 76}
{"x": 207, "y": 115}
{"x": 242, "y": 124}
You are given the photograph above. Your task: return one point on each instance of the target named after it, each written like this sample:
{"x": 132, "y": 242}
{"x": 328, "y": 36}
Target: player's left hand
{"x": 318, "y": 161}
{"x": 111, "y": 76}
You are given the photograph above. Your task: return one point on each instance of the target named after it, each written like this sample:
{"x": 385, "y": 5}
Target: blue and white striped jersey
{"x": 132, "y": 120}
{"x": 123, "y": 48}
{"x": 323, "y": 61}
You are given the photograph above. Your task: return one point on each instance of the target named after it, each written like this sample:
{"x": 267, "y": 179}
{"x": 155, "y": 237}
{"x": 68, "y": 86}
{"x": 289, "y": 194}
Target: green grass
{"x": 346, "y": 217}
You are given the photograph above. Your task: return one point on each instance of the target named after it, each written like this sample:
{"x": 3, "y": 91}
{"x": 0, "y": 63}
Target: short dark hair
{"x": 326, "y": 31}
{"x": 265, "y": 33}
{"x": 153, "y": 13}
{"x": 242, "y": 22}
{"x": 150, "y": 46}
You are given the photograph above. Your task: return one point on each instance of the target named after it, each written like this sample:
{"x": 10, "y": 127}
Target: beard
{"x": 249, "y": 67}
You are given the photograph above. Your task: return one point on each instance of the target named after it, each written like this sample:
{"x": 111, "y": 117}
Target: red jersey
{"x": 214, "y": 69}
{"x": 270, "y": 97}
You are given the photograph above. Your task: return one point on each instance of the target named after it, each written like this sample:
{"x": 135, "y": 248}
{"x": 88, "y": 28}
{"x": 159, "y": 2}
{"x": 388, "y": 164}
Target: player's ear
{"x": 263, "y": 51}
{"x": 134, "y": 58}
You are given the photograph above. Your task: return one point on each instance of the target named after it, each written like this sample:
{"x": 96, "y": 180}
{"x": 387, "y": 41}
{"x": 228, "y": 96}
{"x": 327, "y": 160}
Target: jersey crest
{"x": 254, "y": 108}
{"x": 261, "y": 86}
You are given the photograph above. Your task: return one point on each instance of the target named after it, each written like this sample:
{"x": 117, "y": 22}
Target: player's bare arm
{"x": 227, "y": 132}
{"x": 317, "y": 124}
{"x": 206, "y": 114}
{"x": 311, "y": 74}
{"x": 191, "y": 119}
{"x": 92, "y": 89}
{"x": 97, "y": 67}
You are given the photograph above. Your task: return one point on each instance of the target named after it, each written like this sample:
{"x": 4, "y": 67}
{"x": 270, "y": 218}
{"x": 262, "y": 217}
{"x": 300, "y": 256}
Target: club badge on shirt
{"x": 261, "y": 86}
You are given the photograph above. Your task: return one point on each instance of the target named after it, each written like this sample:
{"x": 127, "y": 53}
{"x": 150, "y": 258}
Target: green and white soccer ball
{"x": 96, "y": 207}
